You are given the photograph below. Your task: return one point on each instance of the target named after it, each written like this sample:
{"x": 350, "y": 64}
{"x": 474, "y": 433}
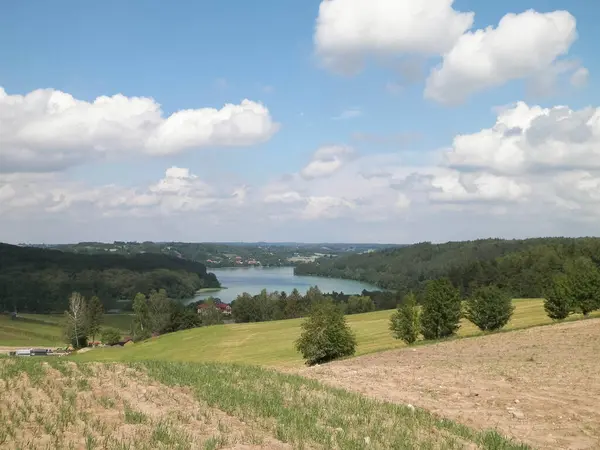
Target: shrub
{"x": 110, "y": 336}
{"x": 558, "y": 303}
{"x": 325, "y": 334}
{"x": 489, "y": 308}
{"x": 405, "y": 323}
{"x": 442, "y": 309}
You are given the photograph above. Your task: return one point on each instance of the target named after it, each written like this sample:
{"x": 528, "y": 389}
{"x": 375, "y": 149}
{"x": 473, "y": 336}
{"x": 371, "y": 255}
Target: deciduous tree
{"x": 489, "y": 308}
{"x": 405, "y": 323}
{"x": 95, "y": 314}
{"x": 325, "y": 334}
{"x": 558, "y": 302}
{"x": 76, "y": 321}
{"x": 442, "y": 309}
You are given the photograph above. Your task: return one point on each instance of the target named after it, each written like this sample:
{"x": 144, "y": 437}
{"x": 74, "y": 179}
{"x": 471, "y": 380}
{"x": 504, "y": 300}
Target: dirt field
{"x": 112, "y": 407}
{"x": 540, "y": 385}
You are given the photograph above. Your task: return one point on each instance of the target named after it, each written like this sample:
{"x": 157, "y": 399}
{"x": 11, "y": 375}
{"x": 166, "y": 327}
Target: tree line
{"x": 521, "y": 268}
{"x": 40, "y": 280}
{"x": 153, "y": 315}
{"x": 326, "y": 335}
{"x": 276, "y": 305}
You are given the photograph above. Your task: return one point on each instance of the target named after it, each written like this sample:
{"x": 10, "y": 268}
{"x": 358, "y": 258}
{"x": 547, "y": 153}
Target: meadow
{"x": 45, "y": 330}
{"x": 272, "y": 343}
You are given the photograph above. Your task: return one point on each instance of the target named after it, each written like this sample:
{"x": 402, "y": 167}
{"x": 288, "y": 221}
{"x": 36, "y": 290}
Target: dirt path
{"x": 540, "y": 386}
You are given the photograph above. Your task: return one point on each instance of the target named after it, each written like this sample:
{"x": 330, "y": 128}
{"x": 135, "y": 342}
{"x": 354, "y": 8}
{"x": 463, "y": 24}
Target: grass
{"x": 46, "y": 329}
{"x": 221, "y": 400}
{"x": 272, "y": 343}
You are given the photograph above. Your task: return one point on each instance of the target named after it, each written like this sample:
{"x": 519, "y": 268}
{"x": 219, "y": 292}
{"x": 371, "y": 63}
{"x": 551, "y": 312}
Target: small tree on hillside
{"x": 405, "y": 323}
{"x": 584, "y": 284}
{"x": 76, "y": 321}
{"x": 210, "y": 314}
{"x": 442, "y": 309}
{"x": 95, "y": 313}
{"x": 558, "y": 302}
{"x": 141, "y": 318}
{"x": 325, "y": 334}
{"x": 489, "y": 308}
{"x": 110, "y": 336}
{"x": 159, "y": 311}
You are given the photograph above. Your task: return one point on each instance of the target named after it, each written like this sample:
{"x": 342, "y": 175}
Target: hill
{"x": 522, "y": 267}
{"x": 272, "y": 343}
{"x": 58, "y": 404}
{"x": 41, "y": 280}
{"x": 223, "y": 254}
{"x": 46, "y": 330}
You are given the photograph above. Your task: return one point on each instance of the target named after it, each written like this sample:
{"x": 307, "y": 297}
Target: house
{"x": 223, "y": 307}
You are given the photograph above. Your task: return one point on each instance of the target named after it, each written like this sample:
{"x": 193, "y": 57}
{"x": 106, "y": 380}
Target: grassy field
{"x": 46, "y": 329}
{"x": 54, "y": 403}
{"x": 272, "y": 343}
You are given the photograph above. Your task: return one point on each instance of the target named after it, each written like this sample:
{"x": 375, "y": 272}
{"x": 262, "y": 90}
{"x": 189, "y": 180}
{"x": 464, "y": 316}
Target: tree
{"x": 159, "y": 311}
{"x": 584, "y": 284}
{"x": 442, "y": 309}
{"x": 489, "y": 308}
{"x": 405, "y": 323}
{"x": 558, "y": 298}
{"x": 141, "y": 317}
{"x": 95, "y": 313}
{"x": 359, "y": 304}
{"x": 325, "y": 334}
{"x": 110, "y": 336}
{"x": 76, "y": 321}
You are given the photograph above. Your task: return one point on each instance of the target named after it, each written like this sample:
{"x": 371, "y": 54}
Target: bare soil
{"x": 540, "y": 386}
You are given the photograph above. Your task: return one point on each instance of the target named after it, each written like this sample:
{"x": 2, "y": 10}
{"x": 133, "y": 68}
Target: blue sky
{"x": 207, "y": 54}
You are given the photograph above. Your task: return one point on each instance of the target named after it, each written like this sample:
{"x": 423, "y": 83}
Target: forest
{"x": 41, "y": 281}
{"x": 521, "y": 268}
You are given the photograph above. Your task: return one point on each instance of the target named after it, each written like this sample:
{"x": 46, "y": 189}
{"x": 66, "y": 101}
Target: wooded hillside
{"x": 523, "y": 268}
{"x": 40, "y": 280}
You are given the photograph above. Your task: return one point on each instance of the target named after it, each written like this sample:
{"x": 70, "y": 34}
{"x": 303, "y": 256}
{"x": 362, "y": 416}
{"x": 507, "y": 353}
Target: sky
{"x": 390, "y": 121}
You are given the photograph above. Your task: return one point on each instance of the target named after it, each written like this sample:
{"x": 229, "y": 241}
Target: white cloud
{"x": 401, "y": 33}
{"x": 580, "y": 77}
{"x": 348, "y": 31}
{"x": 536, "y": 171}
{"x": 326, "y": 161}
{"x": 521, "y": 46}
{"x": 350, "y": 113}
{"x": 48, "y": 129}
{"x": 526, "y": 139}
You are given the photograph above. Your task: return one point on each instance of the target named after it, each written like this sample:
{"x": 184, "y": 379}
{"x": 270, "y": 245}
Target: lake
{"x": 252, "y": 280}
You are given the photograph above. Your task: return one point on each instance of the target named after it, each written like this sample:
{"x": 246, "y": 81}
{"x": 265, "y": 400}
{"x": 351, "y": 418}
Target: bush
{"x": 489, "y": 308}
{"x": 558, "y": 303}
{"x": 110, "y": 336}
{"x": 405, "y": 323}
{"x": 325, "y": 335}
{"x": 442, "y": 309}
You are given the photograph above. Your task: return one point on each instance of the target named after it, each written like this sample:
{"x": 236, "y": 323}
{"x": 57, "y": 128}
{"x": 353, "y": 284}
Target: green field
{"x": 272, "y": 343}
{"x": 46, "y": 329}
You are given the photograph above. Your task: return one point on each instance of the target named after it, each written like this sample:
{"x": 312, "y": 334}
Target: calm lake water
{"x": 252, "y": 280}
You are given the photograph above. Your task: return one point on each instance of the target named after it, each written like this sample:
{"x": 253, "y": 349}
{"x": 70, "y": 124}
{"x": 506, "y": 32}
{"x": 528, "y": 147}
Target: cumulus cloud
{"x": 326, "y": 161}
{"x": 534, "y": 171}
{"x": 397, "y": 32}
{"x": 521, "y": 46}
{"x": 348, "y": 31}
{"x": 530, "y": 138}
{"x": 48, "y": 130}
